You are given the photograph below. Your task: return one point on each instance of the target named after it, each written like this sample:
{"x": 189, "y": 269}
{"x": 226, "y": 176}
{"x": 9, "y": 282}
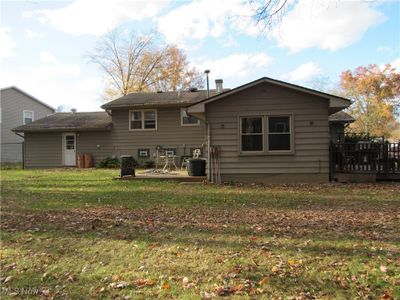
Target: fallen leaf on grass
{"x": 139, "y": 283}
{"x": 166, "y": 286}
{"x": 275, "y": 269}
{"x": 226, "y": 291}
{"x": 386, "y": 296}
{"x": 121, "y": 285}
{"x": 8, "y": 278}
{"x": 383, "y": 269}
{"x": 185, "y": 280}
{"x": 263, "y": 281}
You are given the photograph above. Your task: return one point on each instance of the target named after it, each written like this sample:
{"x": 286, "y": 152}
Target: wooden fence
{"x": 381, "y": 158}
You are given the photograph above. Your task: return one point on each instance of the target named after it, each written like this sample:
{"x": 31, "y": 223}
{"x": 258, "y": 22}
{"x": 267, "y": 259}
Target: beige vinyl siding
{"x": 311, "y": 141}
{"x": 169, "y": 134}
{"x": 13, "y": 103}
{"x": 88, "y": 142}
{"x": 43, "y": 150}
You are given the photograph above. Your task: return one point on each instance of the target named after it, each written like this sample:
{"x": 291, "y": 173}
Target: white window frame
{"x": 262, "y": 134}
{"x": 25, "y": 112}
{"x": 144, "y": 151}
{"x": 184, "y": 114}
{"x": 291, "y": 150}
{"x": 142, "y": 111}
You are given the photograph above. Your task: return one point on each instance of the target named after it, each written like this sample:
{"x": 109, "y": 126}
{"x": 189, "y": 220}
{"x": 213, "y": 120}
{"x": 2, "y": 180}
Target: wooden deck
{"x": 381, "y": 159}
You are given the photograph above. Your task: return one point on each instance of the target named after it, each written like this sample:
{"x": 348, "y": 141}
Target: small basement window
{"x": 143, "y": 119}
{"x": 170, "y": 151}
{"x": 251, "y": 134}
{"x": 143, "y": 153}
{"x": 187, "y": 120}
{"x": 27, "y": 117}
{"x": 279, "y": 133}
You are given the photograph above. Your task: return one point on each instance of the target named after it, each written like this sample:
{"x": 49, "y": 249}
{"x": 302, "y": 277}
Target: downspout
{"x": 208, "y": 150}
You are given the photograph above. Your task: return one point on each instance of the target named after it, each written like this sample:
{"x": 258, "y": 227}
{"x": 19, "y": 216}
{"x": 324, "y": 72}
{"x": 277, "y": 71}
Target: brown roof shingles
{"x": 81, "y": 121}
{"x": 181, "y": 98}
{"x": 341, "y": 117}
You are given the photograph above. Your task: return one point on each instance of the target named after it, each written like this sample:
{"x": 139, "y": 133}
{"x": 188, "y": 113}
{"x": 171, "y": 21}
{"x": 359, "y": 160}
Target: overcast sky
{"x": 44, "y": 44}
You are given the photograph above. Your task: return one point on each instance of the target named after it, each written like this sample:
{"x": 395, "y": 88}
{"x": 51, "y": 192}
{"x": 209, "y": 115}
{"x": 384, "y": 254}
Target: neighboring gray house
{"x": 265, "y": 131}
{"x": 17, "y": 108}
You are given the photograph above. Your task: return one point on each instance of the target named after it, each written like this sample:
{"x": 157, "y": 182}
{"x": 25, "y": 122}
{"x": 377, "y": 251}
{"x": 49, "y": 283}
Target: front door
{"x": 69, "y": 146}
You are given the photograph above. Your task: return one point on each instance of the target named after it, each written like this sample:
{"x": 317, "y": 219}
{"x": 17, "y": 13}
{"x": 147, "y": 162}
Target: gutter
{"x": 19, "y": 135}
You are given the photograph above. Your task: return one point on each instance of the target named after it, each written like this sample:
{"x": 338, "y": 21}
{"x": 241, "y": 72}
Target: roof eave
{"x": 148, "y": 105}
{"x": 61, "y": 130}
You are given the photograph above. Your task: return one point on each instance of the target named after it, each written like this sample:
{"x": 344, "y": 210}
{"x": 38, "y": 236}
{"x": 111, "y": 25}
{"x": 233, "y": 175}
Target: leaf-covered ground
{"x": 79, "y": 234}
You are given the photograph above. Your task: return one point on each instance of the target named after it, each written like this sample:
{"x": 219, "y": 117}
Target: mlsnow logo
{"x": 24, "y": 291}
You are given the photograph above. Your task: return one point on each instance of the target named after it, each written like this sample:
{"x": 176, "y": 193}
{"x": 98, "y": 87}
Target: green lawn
{"x": 79, "y": 234}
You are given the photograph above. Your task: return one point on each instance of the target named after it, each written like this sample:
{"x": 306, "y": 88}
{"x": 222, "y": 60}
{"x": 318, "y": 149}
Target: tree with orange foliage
{"x": 376, "y": 94}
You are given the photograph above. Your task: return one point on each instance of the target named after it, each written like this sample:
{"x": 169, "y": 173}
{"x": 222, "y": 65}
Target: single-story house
{"x": 264, "y": 131}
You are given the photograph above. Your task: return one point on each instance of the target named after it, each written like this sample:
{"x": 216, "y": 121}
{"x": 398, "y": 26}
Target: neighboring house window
{"x": 187, "y": 120}
{"x": 279, "y": 133}
{"x": 251, "y": 134}
{"x": 27, "y": 117}
{"x": 143, "y": 153}
{"x": 143, "y": 119}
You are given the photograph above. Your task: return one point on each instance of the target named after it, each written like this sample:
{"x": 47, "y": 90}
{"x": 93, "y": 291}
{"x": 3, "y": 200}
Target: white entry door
{"x": 69, "y": 149}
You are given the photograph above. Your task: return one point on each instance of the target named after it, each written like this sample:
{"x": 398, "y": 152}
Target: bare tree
{"x": 136, "y": 64}
{"x": 268, "y": 12}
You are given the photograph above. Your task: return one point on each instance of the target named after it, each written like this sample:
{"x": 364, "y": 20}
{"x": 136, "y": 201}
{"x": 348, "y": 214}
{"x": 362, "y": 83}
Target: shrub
{"x": 354, "y": 137}
{"x": 109, "y": 162}
{"x": 149, "y": 164}
{"x": 10, "y": 166}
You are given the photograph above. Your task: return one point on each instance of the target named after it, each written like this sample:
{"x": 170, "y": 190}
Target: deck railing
{"x": 365, "y": 157}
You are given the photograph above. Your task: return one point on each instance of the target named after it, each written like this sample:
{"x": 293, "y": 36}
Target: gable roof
{"x": 80, "y": 121}
{"x": 272, "y": 81}
{"x": 180, "y": 98}
{"x": 29, "y": 95}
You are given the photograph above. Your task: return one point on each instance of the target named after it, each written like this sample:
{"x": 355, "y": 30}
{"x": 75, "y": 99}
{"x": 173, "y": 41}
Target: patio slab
{"x": 178, "y": 175}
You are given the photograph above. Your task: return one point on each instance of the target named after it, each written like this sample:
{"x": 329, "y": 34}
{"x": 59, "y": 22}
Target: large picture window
{"x": 187, "y": 120}
{"x": 251, "y": 134}
{"x": 279, "y": 133}
{"x": 143, "y": 119}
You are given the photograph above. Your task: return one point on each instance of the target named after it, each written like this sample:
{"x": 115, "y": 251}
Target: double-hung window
{"x": 279, "y": 134}
{"x": 143, "y": 119}
{"x": 27, "y": 117}
{"x": 251, "y": 134}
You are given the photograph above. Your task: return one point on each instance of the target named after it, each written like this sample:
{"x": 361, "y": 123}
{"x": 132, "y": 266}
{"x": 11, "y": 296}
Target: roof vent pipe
{"x": 219, "y": 85}
{"x": 73, "y": 110}
{"x": 208, "y": 83}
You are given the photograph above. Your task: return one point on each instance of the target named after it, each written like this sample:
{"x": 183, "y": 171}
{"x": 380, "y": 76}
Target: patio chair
{"x": 161, "y": 158}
